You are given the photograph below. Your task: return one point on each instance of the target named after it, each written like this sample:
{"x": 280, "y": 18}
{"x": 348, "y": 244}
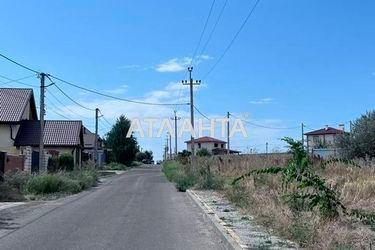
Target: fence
{"x": 13, "y": 163}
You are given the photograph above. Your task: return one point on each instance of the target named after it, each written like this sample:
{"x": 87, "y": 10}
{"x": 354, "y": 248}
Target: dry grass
{"x": 261, "y": 197}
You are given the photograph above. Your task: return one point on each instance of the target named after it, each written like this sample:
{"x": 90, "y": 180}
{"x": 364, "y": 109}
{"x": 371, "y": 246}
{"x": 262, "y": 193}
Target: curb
{"x": 6, "y": 205}
{"x": 230, "y": 236}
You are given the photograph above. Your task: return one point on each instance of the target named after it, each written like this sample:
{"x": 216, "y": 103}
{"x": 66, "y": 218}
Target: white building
{"x": 214, "y": 146}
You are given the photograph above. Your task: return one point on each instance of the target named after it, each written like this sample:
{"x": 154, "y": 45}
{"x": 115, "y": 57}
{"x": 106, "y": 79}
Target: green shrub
{"x": 66, "y": 162}
{"x": 115, "y": 166}
{"x": 170, "y": 170}
{"x": 203, "y": 152}
{"x": 9, "y": 193}
{"x": 17, "y": 180}
{"x": 70, "y": 186}
{"x": 71, "y": 182}
{"x": 45, "y": 184}
{"x": 184, "y": 181}
{"x": 211, "y": 181}
{"x": 53, "y": 164}
{"x": 85, "y": 178}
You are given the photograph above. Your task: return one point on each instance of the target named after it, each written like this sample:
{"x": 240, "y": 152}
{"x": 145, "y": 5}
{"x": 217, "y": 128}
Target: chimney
{"x": 326, "y": 128}
{"x": 342, "y": 127}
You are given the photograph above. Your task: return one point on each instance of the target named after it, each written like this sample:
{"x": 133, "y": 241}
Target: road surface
{"x": 135, "y": 210}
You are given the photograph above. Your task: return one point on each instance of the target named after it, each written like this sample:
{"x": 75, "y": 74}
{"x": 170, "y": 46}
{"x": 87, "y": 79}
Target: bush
{"x": 66, "y": 162}
{"x": 17, "y": 180}
{"x": 115, "y": 166}
{"x": 72, "y": 182}
{"x": 9, "y": 193}
{"x": 203, "y": 152}
{"x": 360, "y": 143}
{"x": 45, "y": 184}
{"x": 85, "y": 178}
{"x": 53, "y": 164}
{"x": 211, "y": 181}
{"x": 184, "y": 181}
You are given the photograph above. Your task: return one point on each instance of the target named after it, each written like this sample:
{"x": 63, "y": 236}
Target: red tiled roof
{"x": 56, "y": 133}
{"x": 13, "y": 102}
{"x": 325, "y": 131}
{"x": 206, "y": 139}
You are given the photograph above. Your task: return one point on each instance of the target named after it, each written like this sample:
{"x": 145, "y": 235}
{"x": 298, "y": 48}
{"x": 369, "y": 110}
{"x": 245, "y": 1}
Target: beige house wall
{"x": 207, "y": 145}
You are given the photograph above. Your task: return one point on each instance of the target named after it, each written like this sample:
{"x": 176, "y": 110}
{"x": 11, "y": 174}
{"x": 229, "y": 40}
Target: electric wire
{"x": 202, "y": 33}
{"x": 252, "y": 9}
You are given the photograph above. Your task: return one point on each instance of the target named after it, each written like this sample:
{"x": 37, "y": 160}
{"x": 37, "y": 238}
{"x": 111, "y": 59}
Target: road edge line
{"x": 228, "y": 234}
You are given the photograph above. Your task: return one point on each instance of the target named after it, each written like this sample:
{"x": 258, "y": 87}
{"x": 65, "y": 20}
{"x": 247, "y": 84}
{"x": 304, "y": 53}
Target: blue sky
{"x": 295, "y": 61}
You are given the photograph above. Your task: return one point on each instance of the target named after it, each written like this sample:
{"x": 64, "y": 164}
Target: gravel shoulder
{"x": 240, "y": 229}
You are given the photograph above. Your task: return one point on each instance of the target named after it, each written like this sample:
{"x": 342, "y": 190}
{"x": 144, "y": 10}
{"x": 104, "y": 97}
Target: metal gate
{"x": 35, "y": 162}
{"x": 2, "y": 165}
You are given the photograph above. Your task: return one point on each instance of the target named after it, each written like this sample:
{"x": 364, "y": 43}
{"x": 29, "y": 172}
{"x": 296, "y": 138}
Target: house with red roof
{"x": 322, "y": 142}
{"x": 213, "y": 145}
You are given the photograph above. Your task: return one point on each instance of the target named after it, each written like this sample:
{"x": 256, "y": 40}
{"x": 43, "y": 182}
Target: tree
{"x": 145, "y": 156}
{"x": 360, "y": 142}
{"x": 124, "y": 149}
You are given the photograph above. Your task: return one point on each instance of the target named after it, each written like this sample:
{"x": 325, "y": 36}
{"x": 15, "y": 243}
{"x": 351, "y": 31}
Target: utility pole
{"x": 303, "y": 136}
{"x": 170, "y": 146}
{"x": 42, "y": 112}
{"x": 175, "y": 118}
{"x": 166, "y": 148}
{"x": 96, "y": 137}
{"x": 191, "y": 83}
{"x": 266, "y": 147}
{"x": 228, "y": 133}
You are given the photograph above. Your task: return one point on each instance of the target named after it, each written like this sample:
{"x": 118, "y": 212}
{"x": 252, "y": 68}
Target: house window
{"x": 222, "y": 145}
{"x": 216, "y": 145}
{"x": 199, "y": 145}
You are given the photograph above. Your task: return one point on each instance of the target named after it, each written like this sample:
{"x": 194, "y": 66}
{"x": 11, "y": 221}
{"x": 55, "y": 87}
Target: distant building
{"x": 89, "y": 147}
{"x": 322, "y": 142}
{"x": 214, "y": 146}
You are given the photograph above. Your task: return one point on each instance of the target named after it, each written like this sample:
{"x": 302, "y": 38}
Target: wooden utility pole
{"x": 191, "y": 84}
{"x": 302, "y": 134}
{"x": 166, "y": 148}
{"x": 96, "y": 137}
{"x": 170, "y": 146}
{"x": 228, "y": 133}
{"x": 175, "y": 118}
{"x": 41, "y": 113}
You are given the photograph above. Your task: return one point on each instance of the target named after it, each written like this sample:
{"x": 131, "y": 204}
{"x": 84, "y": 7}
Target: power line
{"x": 19, "y": 64}
{"x": 18, "y": 81}
{"x": 114, "y": 97}
{"x": 57, "y": 113}
{"x": 71, "y": 111}
{"x": 102, "y": 116}
{"x": 66, "y": 95}
{"x": 202, "y": 33}
{"x": 201, "y": 113}
{"x": 233, "y": 39}
{"x": 263, "y": 126}
{"x": 214, "y": 28}
{"x": 93, "y": 91}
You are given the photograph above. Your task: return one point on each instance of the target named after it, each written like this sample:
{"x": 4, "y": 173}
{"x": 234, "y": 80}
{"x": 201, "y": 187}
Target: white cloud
{"x": 120, "y": 90}
{"x": 179, "y": 64}
{"x": 263, "y": 101}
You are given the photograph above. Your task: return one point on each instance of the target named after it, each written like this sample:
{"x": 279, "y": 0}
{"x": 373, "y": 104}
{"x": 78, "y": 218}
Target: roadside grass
{"x": 115, "y": 166}
{"x": 19, "y": 186}
{"x": 262, "y": 197}
{"x": 184, "y": 179}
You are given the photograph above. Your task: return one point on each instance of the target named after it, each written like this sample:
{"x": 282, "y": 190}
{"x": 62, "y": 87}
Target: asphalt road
{"x": 136, "y": 210}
